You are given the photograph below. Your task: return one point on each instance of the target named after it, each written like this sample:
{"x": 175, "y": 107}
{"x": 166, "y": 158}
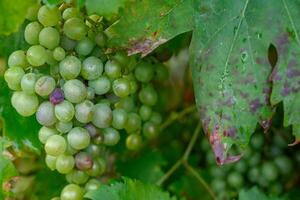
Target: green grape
{"x": 67, "y": 43}
{"x": 32, "y": 11}
{"x": 28, "y": 83}
{"x": 257, "y": 141}
{"x": 70, "y": 150}
{"x": 92, "y": 68}
{"x": 121, "y": 87}
{"x": 111, "y": 136}
{"x": 64, "y": 163}
{"x": 83, "y": 111}
{"x": 241, "y": 166}
{"x": 70, "y": 67}
{"x": 17, "y": 59}
{"x": 161, "y": 72}
{"x": 50, "y": 59}
{"x": 64, "y": 127}
{"x": 59, "y": 53}
{"x": 45, "y": 133}
{"x": 75, "y": 91}
{"x": 48, "y": 16}
{"x": 133, "y": 86}
{"x": 45, "y": 114}
{"x": 75, "y": 28}
{"x": 55, "y": 145}
{"x": 269, "y": 171}
{"x": 51, "y": 162}
{"x": 150, "y": 130}
{"x": 235, "y": 180}
{"x": 44, "y": 86}
{"x": 100, "y": 39}
{"x": 36, "y": 55}
{"x": 71, "y": 12}
{"x": 101, "y": 85}
{"x": 254, "y": 159}
{"x": 253, "y": 174}
{"x": 90, "y": 93}
{"x": 98, "y": 168}
{"x": 92, "y": 185}
{"x": 49, "y": 37}
{"x": 218, "y": 185}
{"x": 64, "y": 111}
{"x": 77, "y": 176}
{"x": 25, "y": 104}
{"x": 13, "y": 77}
{"x": 284, "y": 164}
{"x": 54, "y": 72}
{"x": 133, "y": 142}
{"x": 148, "y": 96}
{"x": 133, "y": 123}
{"x": 94, "y": 150}
{"x": 32, "y": 32}
{"x": 113, "y": 69}
{"x": 78, "y": 138}
{"x": 144, "y": 72}
{"x": 119, "y": 118}
{"x": 85, "y": 46}
{"x": 145, "y": 112}
{"x": 102, "y": 115}
{"x": 72, "y": 192}
{"x": 126, "y": 104}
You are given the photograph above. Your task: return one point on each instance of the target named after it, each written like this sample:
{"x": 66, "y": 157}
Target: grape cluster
{"x": 81, "y": 96}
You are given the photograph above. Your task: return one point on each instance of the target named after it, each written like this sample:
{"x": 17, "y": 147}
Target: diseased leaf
{"x": 254, "y": 193}
{"x": 146, "y": 24}
{"x": 231, "y": 69}
{"x": 12, "y": 14}
{"x": 128, "y": 190}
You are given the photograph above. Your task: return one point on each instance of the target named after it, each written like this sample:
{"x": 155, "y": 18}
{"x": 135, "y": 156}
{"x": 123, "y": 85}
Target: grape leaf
{"x": 146, "y": 24}
{"x": 254, "y": 193}
{"x": 128, "y": 190}
{"x": 12, "y": 14}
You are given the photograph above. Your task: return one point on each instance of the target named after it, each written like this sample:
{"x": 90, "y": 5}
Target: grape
{"x": 72, "y": 192}
{"x": 98, "y": 168}
{"x": 284, "y": 164}
{"x": 84, "y": 47}
{"x": 13, "y": 77}
{"x": 32, "y": 12}
{"x": 59, "y": 53}
{"x": 67, "y": 43}
{"x": 78, "y": 138}
{"x": 70, "y": 67}
{"x": 133, "y": 86}
{"x": 28, "y": 83}
{"x": 92, "y": 68}
{"x": 235, "y": 180}
{"x": 90, "y": 93}
{"x": 64, "y": 127}
{"x": 71, "y": 12}
{"x": 83, "y": 161}
{"x": 111, "y": 136}
{"x": 49, "y": 37}
{"x": 145, "y": 112}
{"x": 70, "y": 150}
{"x": 25, "y": 104}
{"x": 269, "y": 171}
{"x": 144, "y": 72}
{"x": 51, "y": 162}
{"x": 121, "y": 87}
{"x": 45, "y": 133}
{"x": 31, "y": 33}
{"x": 113, "y": 69}
{"x": 257, "y": 141}
{"x": 64, "y": 111}
{"x": 45, "y": 114}
{"x": 57, "y": 96}
{"x": 75, "y": 28}
{"x": 253, "y": 174}
{"x": 94, "y": 150}
{"x": 83, "y": 111}
{"x": 150, "y": 130}
{"x": 55, "y": 145}
{"x": 101, "y": 85}
{"x": 44, "y": 86}
{"x": 134, "y": 142}
{"x": 102, "y": 116}
{"x": 92, "y": 184}
{"x": 218, "y": 185}
{"x": 93, "y": 131}
{"x": 161, "y": 72}
{"x": 148, "y": 96}
{"x": 36, "y": 55}
{"x": 75, "y": 91}
{"x": 17, "y": 59}
{"x": 48, "y": 16}
{"x": 64, "y": 163}
{"x": 100, "y": 39}
{"x": 119, "y": 118}
{"x": 50, "y": 60}
{"x": 126, "y": 103}
{"x": 77, "y": 176}
{"x": 133, "y": 123}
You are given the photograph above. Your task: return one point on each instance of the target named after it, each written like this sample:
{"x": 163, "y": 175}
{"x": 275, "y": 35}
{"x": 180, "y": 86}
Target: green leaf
{"x": 254, "y": 193}
{"x": 12, "y": 14}
{"x": 22, "y": 131}
{"x": 146, "y": 24}
{"x": 51, "y": 3}
{"x": 128, "y": 190}
{"x": 106, "y": 8}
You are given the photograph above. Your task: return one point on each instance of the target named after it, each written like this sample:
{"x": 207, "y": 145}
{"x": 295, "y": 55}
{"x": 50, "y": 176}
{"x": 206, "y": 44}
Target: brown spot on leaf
{"x": 144, "y": 46}
{"x": 255, "y": 104}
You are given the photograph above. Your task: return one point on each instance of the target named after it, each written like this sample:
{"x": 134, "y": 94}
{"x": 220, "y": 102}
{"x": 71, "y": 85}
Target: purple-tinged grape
{"x": 83, "y": 161}
{"x": 57, "y": 96}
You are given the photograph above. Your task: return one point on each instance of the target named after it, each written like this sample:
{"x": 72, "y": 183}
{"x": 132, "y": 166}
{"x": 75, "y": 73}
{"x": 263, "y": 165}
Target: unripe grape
{"x": 64, "y": 111}
{"x": 85, "y": 46}
{"x": 269, "y": 171}
{"x": 64, "y": 127}
{"x": 45, "y": 85}
{"x": 156, "y": 118}
{"x": 121, "y": 87}
{"x": 161, "y": 72}
{"x": 92, "y": 184}
{"x": 145, "y": 112}
{"x": 72, "y": 192}
{"x": 49, "y": 16}
{"x": 102, "y": 116}
{"x": 98, "y": 168}
{"x": 13, "y": 77}
{"x": 150, "y": 130}
{"x": 100, "y": 39}
{"x": 36, "y": 55}
{"x": 83, "y": 161}
{"x": 75, "y": 91}
{"x": 75, "y": 28}
{"x": 92, "y": 68}
{"x": 50, "y": 60}
{"x": 32, "y": 32}
{"x": 49, "y": 37}
{"x": 235, "y": 180}
{"x": 28, "y": 83}
{"x": 64, "y": 163}
{"x": 94, "y": 150}
{"x": 90, "y": 93}
{"x": 55, "y": 145}
{"x": 67, "y": 43}
{"x": 113, "y": 69}
{"x": 148, "y": 96}
{"x": 119, "y": 118}
{"x": 101, "y": 85}
{"x": 45, "y": 133}
{"x": 51, "y": 162}
{"x": 25, "y": 104}
{"x": 126, "y": 104}
{"x": 59, "y": 53}
{"x": 77, "y": 176}
{"x": 83, "y": 111}
{"x": 32, "y": 12}
{"x": 70, "y": 150}
{"x": 133, "y": 123}
{"x": 78, "y": 138}
{"x": 111, "y": 136}
{"x": 70, "y": 67}
{"x": 144, "y": 72}
{"x": 71, "y": 12}
{"x": 134, "y": 142}
{"x": 45, "y": 114}
{"x": 17, "y": 59}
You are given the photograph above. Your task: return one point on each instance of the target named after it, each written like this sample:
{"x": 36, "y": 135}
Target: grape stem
{"x": 184, "y": 162}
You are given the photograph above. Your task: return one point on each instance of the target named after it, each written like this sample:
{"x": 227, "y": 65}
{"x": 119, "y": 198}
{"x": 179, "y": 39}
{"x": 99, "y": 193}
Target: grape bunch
{"x": 82, "y": 96}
